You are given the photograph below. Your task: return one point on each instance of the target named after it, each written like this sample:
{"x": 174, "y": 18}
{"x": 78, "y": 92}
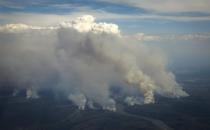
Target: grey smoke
{"x": 83, "y": 59}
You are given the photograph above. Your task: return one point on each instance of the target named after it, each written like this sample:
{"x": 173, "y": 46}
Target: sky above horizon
{"x": 153, "y": 16}
{"x": 180, "y": 27}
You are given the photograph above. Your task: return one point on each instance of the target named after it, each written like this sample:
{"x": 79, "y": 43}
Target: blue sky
{"x": 183, "y": 21}
{"x": 166, "y": 16}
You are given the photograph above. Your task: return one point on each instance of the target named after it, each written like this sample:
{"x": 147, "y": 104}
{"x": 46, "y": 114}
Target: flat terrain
{"x": 50, "y": 113}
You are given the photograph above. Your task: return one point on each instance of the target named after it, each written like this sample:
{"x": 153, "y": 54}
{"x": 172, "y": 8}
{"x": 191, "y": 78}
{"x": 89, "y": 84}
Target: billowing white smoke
{"x": 79, "y": 99}
{"x": 133, "y": 100}
{"x": 31, "y": 93}
{"x": 83, "y": 59}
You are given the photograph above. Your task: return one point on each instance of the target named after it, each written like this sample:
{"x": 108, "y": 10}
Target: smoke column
{"x": 83, "y": 60}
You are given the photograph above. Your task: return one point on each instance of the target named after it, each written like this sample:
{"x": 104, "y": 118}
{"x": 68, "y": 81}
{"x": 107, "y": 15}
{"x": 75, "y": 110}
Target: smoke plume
{"x": 83, "y": 60}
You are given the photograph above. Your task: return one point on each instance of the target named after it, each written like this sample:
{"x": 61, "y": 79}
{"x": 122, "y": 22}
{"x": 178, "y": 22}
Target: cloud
{"x": 52, "y": 19}
{"x": 164, "y": 6}
{"x": 168, "y": 5}
{"x": 145, "y": 37}
{"x": 171, "y": 37}
{"x": 33, "y": 18}
{"x": 193, "y": 37}
{"x": 10, "y": 4}
{"x": 172, "y": 10}
{"x": 83, "y": 60}
{"x": 87, "y": 24}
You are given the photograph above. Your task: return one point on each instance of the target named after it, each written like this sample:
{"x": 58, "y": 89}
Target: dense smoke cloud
{"x": 83, "y": 60}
